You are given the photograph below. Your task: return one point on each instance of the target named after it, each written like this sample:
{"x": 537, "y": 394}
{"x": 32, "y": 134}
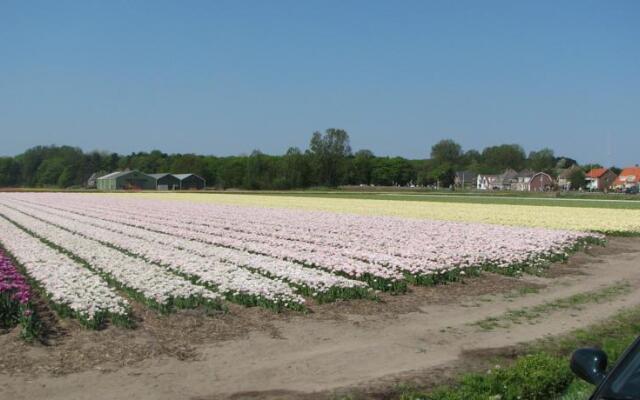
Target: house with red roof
{"x": 629, "y": 177}
{"x": 599, "y": 179}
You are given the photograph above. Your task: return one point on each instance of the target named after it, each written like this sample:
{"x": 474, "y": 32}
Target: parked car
{"x": 631, "y": 190}
{"x": 622, "y": 382}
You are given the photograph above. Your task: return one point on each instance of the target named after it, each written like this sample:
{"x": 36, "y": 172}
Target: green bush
{"x": 538, "y": 376}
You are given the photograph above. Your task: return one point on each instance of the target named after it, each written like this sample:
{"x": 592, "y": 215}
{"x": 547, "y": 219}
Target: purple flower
{"x": 12, "y": 281}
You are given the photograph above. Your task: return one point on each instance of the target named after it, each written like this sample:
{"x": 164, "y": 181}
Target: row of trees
{"x": 329, "y": 161}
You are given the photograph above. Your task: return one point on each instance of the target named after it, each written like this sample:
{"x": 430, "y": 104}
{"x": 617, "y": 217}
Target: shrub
{"x": 533, "y": 377}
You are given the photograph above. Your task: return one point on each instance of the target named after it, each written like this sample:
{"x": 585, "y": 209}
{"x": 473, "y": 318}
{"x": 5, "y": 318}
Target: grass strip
{"x": 575, "y": 302}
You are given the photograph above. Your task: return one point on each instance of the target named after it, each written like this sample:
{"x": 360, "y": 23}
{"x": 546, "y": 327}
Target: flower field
{"x": 605, "y": 220}
{"x": 92, "y": 255}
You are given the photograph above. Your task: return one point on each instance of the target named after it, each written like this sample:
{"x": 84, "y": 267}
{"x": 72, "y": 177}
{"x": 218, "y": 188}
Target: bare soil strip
{"x": 425, "y": 335}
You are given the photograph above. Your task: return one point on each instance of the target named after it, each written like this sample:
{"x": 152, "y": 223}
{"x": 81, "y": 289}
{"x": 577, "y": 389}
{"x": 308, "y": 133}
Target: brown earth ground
{"x": 362, "y": 347}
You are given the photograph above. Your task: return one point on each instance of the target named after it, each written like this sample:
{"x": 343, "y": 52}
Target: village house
{"x": 564, "y": 177}
{"x": 523, "y": 179}
{"x": 488, "y": 182}
{"x": 509, "y": 179}
{"x": 465, "y": 179}
{"x": 628, "y": 178}
{"x": 599, "y": 179}
{"x": 502, "y": 181}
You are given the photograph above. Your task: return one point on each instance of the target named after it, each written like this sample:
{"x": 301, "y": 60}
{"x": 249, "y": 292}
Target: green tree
{"x": 565, "y": 162}
{"x": 295, "y": 171}
{"x": 9, "y": 172}
{"x": 577, "y": 179}
{"x": 329, "y": 153}
{"x": 49, "y": 171}
{"x": 498, "y": 158}
{"x": 542, "y": 160}
{"x": 260, "y": 171}
{"x": 363, "y": 163}
{"x": 446, "y": 151}
{"x": 443, "y": 175}
{"x": 231, "y": 172}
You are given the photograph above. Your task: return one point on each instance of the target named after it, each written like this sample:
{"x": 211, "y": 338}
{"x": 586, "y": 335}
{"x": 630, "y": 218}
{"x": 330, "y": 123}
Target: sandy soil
{"x": 362, "y": 346}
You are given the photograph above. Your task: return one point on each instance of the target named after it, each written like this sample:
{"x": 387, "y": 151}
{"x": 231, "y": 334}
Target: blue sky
{"x": 227, "y": 77}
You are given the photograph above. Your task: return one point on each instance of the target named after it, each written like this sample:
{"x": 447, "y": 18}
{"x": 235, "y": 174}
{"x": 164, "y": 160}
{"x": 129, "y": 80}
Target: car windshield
{"x": 624, "y": 382}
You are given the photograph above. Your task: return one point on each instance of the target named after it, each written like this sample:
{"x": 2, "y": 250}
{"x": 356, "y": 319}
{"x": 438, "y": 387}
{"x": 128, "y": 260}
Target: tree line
{"x": 328, "y": 161}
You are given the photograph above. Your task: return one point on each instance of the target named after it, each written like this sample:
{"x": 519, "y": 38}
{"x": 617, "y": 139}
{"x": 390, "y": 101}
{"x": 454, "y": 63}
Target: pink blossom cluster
{"x": 12, "y": 282}
{"x": 242, "y": 248}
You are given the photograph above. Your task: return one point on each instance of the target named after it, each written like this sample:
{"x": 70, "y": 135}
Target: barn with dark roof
{"x": 191, "y": 181}
{"x": 127, "y": 180}
{"x": 166, "y": 181}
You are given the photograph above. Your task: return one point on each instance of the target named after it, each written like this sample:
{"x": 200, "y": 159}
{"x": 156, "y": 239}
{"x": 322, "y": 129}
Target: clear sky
{"x": 227, "y": 77}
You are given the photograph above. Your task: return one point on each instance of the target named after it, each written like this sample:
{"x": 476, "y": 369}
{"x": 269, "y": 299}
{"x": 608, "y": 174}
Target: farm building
{"x": 488, "y": 182}
{"x": 132, "y": 180}
{"x": 509, "y": 179}
{"x": 599, "y": 178}
{"x": 166, "y": 181}
{"x": 191, "y": 181}
{"x": 564, "y": 177}
{"x": 628, "y": 178}
{"x": 540, "y": 182}
{"x": 503, "y": 181}
{"x": 523, "y": 179}
{"x": 465, "y": 179}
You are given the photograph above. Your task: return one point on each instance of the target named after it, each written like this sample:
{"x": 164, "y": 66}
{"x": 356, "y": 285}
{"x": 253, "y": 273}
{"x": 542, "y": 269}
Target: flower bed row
{"x": 228, "y": 269}
{"x": 71, "y": 289}
{"x": 15, "y": 299}
{"x": 237, "y": 284}
{"x": 141, "y": 280}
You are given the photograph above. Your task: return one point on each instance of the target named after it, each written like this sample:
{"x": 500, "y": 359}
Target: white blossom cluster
{"x": 226, "y": 277}
{"x": 151, "y": 281}
{"x": 66, "y": 282}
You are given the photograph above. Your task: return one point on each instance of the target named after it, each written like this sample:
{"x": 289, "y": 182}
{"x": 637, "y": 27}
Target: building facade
{"x": 599, "y": 179}
{"x": 166, "y": 181}
{"x": 126, "y": 180}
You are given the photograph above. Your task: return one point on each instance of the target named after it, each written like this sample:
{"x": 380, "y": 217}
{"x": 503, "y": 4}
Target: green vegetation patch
{"x": 575, "y": 302}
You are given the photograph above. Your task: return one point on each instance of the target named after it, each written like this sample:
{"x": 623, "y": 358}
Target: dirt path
{"x": 255, "y": 354}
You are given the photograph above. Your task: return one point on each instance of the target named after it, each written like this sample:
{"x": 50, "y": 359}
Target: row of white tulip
{"x": 236, "y": 283}
{"x": 380, "y": 276}
{"x": 414, "y": 246}
{"x": 228, "y": 269}
{"x": 67, "y": 284}
{"x": 151, "y": 283}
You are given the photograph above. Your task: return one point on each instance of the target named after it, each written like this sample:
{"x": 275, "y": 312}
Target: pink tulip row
{"x": 143, "y": 280}
{"x": 279, "y": 242}
{"x": 69, "y": 287}
{"x": 229, "y": 270}
{"x": 414, "y": 246}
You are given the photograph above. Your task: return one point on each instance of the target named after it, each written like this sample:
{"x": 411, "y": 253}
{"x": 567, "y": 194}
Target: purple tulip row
{"x": 15, "y": 298}
{"x": 13, "y": 282}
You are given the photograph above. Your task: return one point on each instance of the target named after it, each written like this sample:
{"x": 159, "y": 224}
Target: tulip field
{"x": 91, "y": 256}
